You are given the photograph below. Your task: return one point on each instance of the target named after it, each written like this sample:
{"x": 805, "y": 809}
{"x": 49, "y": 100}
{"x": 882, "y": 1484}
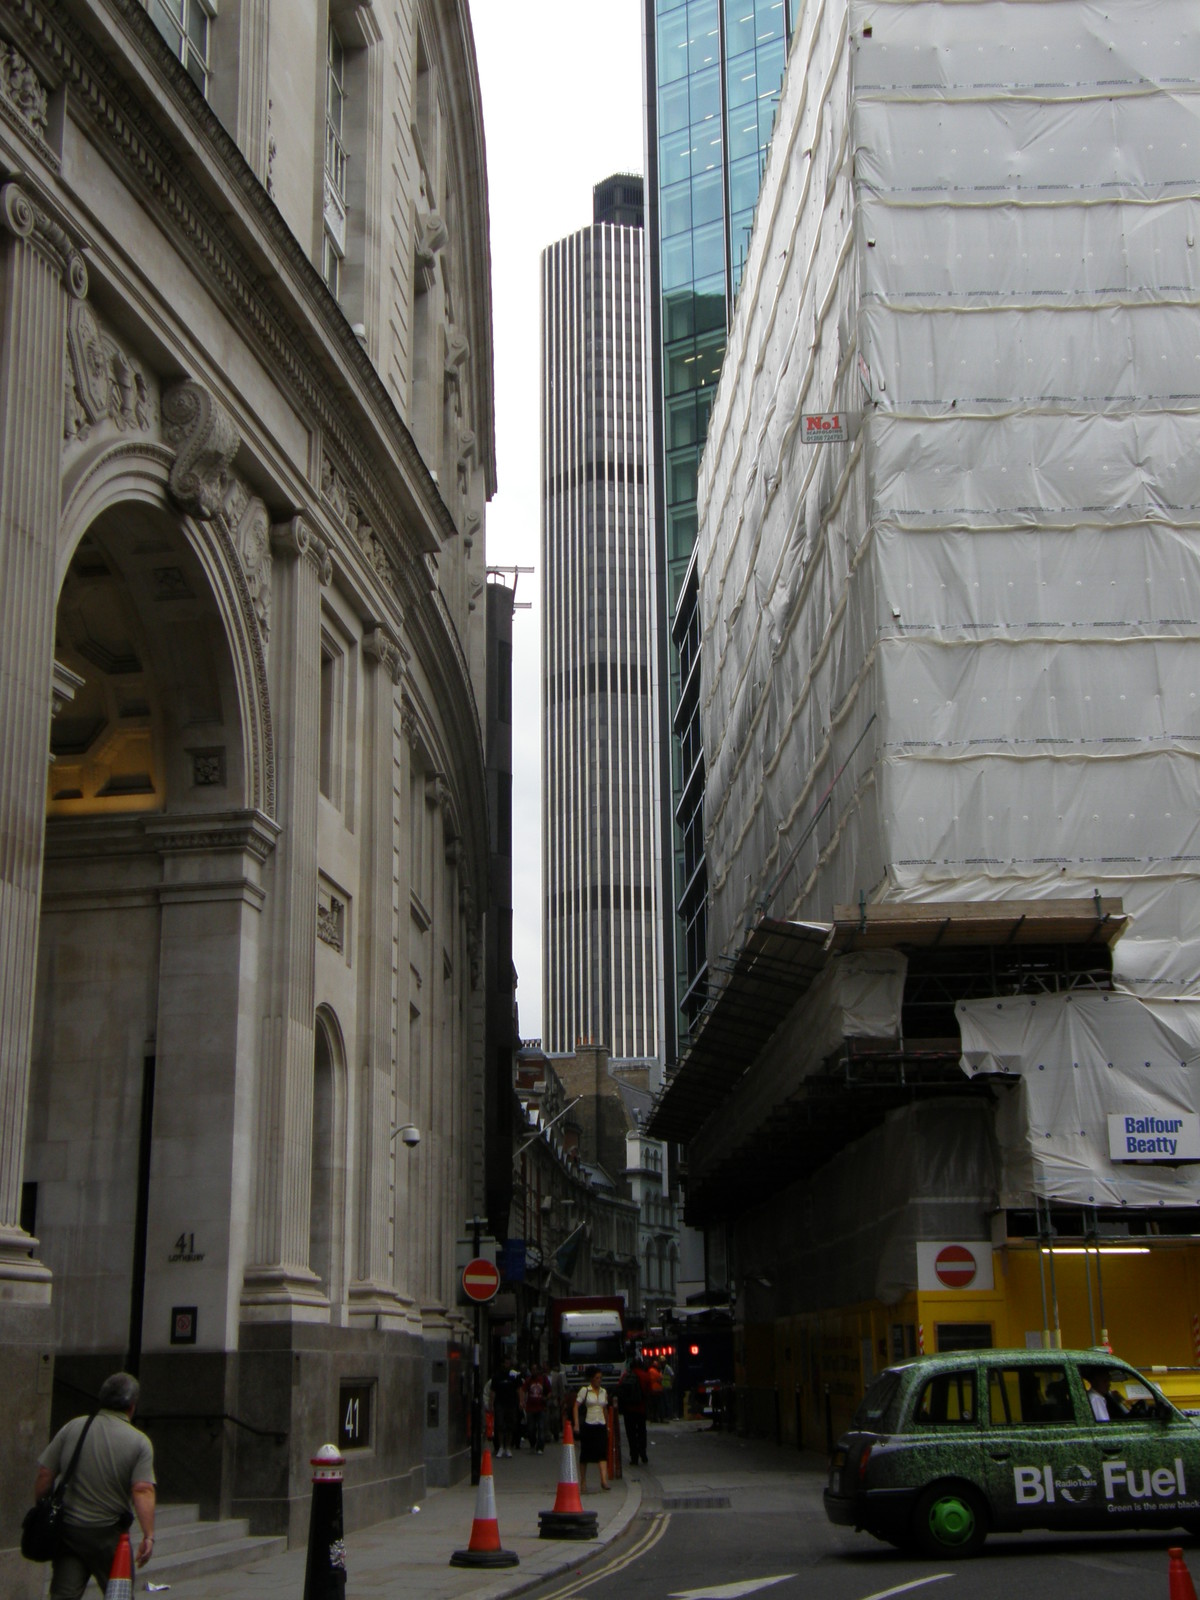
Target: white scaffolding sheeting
{"x": 958, "y": 657}
{"x": 1079, "y": 1059}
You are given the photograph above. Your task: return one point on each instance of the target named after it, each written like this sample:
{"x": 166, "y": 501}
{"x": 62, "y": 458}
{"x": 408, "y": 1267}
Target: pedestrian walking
{"x": 507, "y": 1412}
{"x": 112, "y": 1482}
{"x": 631, "y": 1403}
{"x": 535, "y": 1410}
{"x": 592, "y": 1428}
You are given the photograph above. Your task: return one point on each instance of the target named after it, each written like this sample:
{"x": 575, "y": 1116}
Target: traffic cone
{"x": 1179, "y": 1579}
{"x": 484, "y": 1549}
{"x": 120, "y": 1574}
{"x": 568, "y": 1519}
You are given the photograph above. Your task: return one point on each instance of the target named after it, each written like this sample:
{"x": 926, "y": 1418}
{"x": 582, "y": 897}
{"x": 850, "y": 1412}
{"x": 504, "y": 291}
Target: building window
{"x": 334, "y": 240}
{"x": 332, "y": 701}
{"x": 184, "y": 25}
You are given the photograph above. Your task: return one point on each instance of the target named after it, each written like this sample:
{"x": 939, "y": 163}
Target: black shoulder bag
{"x": 43, "y": 1520}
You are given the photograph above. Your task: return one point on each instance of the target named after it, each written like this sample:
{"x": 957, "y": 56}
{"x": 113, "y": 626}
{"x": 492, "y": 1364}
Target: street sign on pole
{"x": 480, "y": 1279}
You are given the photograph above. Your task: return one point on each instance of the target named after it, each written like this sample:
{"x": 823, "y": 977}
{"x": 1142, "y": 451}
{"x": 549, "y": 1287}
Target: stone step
{"x": 172, "y": 1538}
{"x": 171, "y": 1516}
{"x": 219, "y": 1556}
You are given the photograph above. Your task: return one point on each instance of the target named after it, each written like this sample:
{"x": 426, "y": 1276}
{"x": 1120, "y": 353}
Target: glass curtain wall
{"x": 713, "y": 74}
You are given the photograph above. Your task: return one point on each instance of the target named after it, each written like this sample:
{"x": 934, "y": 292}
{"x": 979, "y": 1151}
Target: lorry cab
{"x": 590, "y": 1339}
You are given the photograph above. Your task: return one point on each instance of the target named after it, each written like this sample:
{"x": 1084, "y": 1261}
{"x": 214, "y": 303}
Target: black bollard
{"x": 325, "y": 1569}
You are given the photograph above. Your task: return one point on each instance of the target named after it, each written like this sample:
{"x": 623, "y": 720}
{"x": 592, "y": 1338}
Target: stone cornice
{"x": 230, "y": 257}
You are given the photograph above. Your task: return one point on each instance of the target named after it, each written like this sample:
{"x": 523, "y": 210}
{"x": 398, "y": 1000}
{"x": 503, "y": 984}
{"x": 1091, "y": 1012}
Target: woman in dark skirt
{"x": 591, "y": 1426}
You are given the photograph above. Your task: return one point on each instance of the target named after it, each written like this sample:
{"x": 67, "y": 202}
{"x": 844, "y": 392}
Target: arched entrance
{"x": 139, "y": 1138}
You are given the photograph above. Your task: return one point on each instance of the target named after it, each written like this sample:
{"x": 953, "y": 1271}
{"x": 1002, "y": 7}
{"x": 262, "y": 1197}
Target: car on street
{"x": 945, "y": 1449}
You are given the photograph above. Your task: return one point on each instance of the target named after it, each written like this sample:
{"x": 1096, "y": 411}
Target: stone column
{"x": 371, "y": 1290}
{"x": 278, "y": 1281}
{"x": 39, "y": 270}
{"x": 404, "y": 1270}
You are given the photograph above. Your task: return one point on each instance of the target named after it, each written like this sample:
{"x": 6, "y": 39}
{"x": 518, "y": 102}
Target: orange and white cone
{"x": 120, "y": 1575}
{"x": 1179, "y": 1579}
{"x": 484, "y": 1548}
{"x": 568, "y": 1519}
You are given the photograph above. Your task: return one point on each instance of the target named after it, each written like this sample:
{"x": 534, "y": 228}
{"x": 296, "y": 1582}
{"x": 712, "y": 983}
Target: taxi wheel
{"x": 950, "y": 1520}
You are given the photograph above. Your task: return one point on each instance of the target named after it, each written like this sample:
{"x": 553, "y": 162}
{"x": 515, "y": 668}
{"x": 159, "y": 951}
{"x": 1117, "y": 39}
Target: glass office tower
{"x": 713, "y": 69}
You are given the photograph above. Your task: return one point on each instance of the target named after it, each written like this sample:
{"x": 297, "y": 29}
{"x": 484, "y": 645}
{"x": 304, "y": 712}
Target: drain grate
{"x": 695, "y": 1502}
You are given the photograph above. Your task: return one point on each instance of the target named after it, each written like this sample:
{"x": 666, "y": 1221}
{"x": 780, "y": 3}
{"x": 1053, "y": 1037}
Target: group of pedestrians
{"x": 525, "y": 1405}
{"x": 645, "y": 1393}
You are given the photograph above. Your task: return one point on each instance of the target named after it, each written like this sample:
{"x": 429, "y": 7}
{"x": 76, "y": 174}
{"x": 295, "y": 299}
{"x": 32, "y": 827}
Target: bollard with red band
{"x": 120, "y": 1574}
{"x": 568, "y": 1519}
{"x": 325, "y": 1569}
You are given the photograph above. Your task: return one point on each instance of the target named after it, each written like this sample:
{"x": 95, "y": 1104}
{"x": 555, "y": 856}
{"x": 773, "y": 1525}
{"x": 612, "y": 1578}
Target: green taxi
{"x": 945, "y": 1449}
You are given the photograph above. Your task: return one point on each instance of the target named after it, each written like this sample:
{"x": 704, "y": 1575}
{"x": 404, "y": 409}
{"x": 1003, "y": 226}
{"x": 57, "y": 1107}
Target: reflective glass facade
{"x": 713, "y": 73}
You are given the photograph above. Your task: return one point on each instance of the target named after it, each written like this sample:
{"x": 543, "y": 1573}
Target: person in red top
{"x": 655, "y": 1392}
{"x": 536, "y": 1394}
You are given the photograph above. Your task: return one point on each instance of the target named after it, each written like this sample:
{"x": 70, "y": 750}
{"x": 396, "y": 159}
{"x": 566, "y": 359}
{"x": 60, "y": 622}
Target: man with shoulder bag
{"x": 106, "y": 1470}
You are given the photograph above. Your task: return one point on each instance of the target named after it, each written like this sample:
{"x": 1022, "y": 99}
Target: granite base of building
{"x": 235, "y": 1432}
{"x": 26, "y": 1343}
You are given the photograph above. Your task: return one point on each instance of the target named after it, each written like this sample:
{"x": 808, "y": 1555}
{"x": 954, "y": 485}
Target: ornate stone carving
{"x": 345, "y": 507}
{"x": 103, "y": 382}
{"x": 205, "y": 440}
{"x": 409, "y": 725}
{"x": 248, "y": 523}
{"x": 381, "y": 647}
{"x": 331, "y": 920}
{"x": 466, "y": 457}
{"x": 432, "y": 238}
{"x": 296, "y": 538}
{"x": 271, "y": 152}
{"x": 21, "y": 90}
{"x": 21, "y": 216}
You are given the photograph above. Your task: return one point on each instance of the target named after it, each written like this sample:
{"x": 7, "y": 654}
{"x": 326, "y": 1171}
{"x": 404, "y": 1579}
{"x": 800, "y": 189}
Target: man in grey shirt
{"x": 113, "y": 1478}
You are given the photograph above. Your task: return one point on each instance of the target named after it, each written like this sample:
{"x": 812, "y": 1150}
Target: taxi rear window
{"x": 877, "y": 1410}
{"x": 947, "y": 1400}
{"x": 1029, "y": 1396}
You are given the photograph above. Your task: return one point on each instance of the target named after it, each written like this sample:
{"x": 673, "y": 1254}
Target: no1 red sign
{"x": 825, "y": 427}
{"x": 480, "y": 1279}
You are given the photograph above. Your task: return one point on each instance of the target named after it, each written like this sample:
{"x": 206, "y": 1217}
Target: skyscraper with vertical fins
{"x": 601, "y": 875}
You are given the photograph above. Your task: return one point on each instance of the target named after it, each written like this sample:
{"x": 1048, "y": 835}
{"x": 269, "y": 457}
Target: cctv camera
{"x": 409, "y": 1133}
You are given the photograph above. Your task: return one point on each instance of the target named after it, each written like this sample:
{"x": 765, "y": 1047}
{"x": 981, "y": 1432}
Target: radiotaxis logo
{"x": 1076, "y": 1484}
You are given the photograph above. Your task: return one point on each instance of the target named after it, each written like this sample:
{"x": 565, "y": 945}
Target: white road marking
{"x": 732, "y": 1591}
{"x": 903, "y": 1588}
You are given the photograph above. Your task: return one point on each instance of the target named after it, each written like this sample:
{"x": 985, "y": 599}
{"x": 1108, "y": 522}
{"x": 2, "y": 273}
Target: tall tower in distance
{"x": 712, "y": 71}
{"x": 601, "y": 874}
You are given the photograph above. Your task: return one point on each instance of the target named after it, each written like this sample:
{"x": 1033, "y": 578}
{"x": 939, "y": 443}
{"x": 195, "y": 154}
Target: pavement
{"x": 411, "y": 1554}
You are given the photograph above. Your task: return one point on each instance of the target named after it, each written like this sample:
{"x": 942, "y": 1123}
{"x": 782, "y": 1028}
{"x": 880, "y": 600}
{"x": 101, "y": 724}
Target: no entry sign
{"x": 955, "y": 1266}
{"x": 480, "y": 1279}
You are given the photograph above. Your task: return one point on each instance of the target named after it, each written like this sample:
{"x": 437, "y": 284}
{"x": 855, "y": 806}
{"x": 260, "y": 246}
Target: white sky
{"x": 562, "y": 108}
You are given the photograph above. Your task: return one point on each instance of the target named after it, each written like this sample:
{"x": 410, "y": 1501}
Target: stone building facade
{"x": 246, "y": 444}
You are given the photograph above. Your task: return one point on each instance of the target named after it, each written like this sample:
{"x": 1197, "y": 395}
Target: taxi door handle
{"x": 1112, "y": 1450}
{"x": 999, "y": 1455}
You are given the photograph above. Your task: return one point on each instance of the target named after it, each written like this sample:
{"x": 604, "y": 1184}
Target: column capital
{"x": 23, "y": 217}
{"x": 297, "y": 538}
{"x": 382, "y": 646}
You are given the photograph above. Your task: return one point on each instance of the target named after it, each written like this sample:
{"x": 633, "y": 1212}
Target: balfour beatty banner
{"x": 1154, "y": 1137}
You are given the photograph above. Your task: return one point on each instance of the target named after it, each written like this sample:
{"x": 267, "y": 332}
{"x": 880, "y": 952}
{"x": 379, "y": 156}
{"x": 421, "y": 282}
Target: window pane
{"x": 771, "y": 62}
{"x": 672, "y": 46}
{"x": 744, "y": 177}
{"x": 708, "y": 250}
{"x": 677, "y": 261}
{"x": 768, "y": 19}
{"x": 739, "y": 26}
{"x": 706, "y": 197}
{"x": 681, "y": 422}
{"x": 743, "y": 132}
{"x": 1029, "y": 1396}
{"x": 197, "y": 29}
{"x": 947, "y": 1400}
{"x": 710, "y": 306}
{"x": 676, "y": 209}
{"x": 741, "y": 79}
{"x": 705, "y": 95}
{"x": 673, "y": 107}
{"x": 674, "y": 157}
{"x": 702, "y": 32}
{"x": 677, "y": 315}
